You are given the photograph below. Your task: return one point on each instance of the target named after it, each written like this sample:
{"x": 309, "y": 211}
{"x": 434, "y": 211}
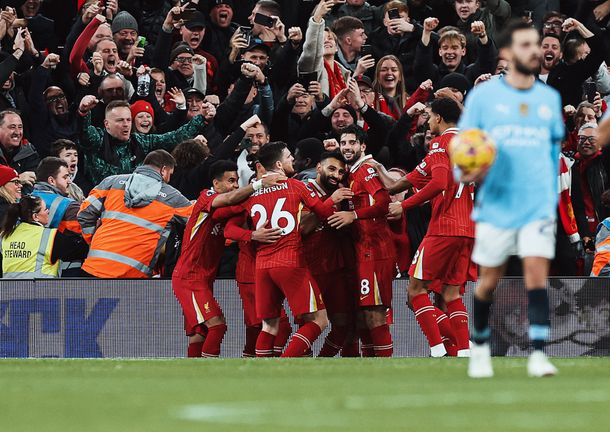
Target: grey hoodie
{"x": 142, "y": 187}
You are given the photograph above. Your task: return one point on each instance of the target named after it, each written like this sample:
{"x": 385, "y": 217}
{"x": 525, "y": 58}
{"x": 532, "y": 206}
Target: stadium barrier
{"x": 76, "y": 318}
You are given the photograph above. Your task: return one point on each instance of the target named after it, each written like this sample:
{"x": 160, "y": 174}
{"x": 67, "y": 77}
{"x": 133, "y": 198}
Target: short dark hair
{"x": 552, "y": 35}
{"x": 570, "y": 48}
{"x": 49, "y": 167}
{"x": 447, "y": 108}
{"x": 269, "y": 6}
{"x": 159, "y": 159}
{"x": 345, "y": 25}
{"x": 117, "y": 104}
{"x": 310, "y": 148}
{"x": 505, "y": 39}
{"x": 220, "y": 167}
{"x": 270, "y": 153}
{"x": 354, "y": 130}
{"x": 554, "y": 14}
{"x": 332, "y": 155}
{"x": 62, "y": 144}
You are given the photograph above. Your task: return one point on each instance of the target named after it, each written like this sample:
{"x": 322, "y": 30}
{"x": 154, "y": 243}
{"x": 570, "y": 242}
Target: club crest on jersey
{"x": 370, "y": 170}
{"x": 434, "y": 145}
{"x": 210, "y": 192}
{"x": 524, "y": 109}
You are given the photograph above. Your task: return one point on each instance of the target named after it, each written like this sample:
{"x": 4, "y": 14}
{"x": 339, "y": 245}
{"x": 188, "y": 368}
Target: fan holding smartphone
{"x": 266, "y": 23}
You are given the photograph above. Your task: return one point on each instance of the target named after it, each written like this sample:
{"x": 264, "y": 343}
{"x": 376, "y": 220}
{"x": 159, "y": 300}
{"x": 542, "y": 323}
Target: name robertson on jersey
{"x": 283, "y": 186}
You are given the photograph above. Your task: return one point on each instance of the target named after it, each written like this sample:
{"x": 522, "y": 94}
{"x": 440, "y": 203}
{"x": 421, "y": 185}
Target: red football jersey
{"x": 327, "y": 249}
{"x": 280, "y": 206}
{"x": 372, "y": 237}
{"x": 203, "y": 242}
{"x": 452, "y": 208}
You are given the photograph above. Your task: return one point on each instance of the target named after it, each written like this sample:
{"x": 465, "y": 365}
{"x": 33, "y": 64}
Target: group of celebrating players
{"x": 326, "y": 247}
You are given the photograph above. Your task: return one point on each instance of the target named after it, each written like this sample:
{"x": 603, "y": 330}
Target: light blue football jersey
{"x": 527, "y": 127}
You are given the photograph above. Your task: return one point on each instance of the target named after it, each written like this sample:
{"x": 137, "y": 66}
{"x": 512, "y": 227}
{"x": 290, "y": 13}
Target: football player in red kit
{"x": 237, "y": 229}
{"x": 280, "y": 267}
{"x": 445, "y": 251}
{"x": 330, "y": 257}
{"x": 202, "y": 247}
{"x": 373, "y": 242}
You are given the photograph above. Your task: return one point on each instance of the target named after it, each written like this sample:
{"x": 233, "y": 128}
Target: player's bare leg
{"x": 336, "y": 337}
{"x": 217, "y": 328}
{"x": 302, "y": 340}
{"x": 376, "y": 322}
{"x": 458, "y": 317}
{"x": 364, "y": 333}
{"x": 264, "y": 342}
{"x": 536, "y": 270}
{"x": 425, "y": 313}
{"x": 479, "y": 365}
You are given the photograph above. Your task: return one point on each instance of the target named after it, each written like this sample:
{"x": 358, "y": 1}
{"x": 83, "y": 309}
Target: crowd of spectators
{"x": 90, "y": 88}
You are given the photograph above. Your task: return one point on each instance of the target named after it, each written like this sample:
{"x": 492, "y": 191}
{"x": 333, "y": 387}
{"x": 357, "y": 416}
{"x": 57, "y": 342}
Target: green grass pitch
{"x": 300, "y": 395}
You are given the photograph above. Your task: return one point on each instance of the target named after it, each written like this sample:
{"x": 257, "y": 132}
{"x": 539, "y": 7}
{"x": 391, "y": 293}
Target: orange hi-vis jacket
{"x": 601, "y": 263}
{"x": 126, "y": 219}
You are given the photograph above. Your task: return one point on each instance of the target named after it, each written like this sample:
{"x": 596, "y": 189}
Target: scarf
{"x": 335, "y": 78}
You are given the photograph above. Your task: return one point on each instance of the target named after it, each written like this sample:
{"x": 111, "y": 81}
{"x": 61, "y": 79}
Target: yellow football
{"x": 472, "y": 150}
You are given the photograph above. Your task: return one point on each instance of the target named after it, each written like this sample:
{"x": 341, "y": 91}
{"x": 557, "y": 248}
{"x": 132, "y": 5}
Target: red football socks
{"x": 264, "y": 344}
{"x": 426, "y": 318}
{"x": 444, "y": 326}
{"x": 334, "y": 341}
{"x": 194, "y": 349}
{"x": 302, "y": 340}
{"x": 382, "y": 341}
{"x": 459, "y": 322}
{"x": 351, "y": 349}
{"x": 251, "y": 336}
{"x": 282, "y": 337}
{"x": 211, "y": 346}
{"x": 366, "y": 347}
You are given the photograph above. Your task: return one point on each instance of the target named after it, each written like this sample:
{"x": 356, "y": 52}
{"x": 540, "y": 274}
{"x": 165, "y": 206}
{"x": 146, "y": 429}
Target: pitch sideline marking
{"x": 259, "y": 412}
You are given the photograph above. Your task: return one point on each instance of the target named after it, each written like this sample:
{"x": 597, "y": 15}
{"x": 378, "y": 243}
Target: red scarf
{"x": 336, "y": 83}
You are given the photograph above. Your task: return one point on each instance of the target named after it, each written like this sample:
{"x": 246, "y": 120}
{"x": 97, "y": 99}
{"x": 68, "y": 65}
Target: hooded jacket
{"x": 127, "y": 220}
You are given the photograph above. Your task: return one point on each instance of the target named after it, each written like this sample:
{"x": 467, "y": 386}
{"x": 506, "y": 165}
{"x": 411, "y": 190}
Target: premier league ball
{"x": 472, "y": 150}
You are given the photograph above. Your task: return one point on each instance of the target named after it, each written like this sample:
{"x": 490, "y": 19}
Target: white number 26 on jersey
{"x": 277, "y": 215}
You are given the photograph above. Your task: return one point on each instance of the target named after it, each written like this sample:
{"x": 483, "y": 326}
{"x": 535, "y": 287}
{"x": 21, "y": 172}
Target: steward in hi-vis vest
{"x": 28, "y": 249}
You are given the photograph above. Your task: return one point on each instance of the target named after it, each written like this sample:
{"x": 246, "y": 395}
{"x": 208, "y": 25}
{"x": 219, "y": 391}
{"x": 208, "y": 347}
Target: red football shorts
{"x": 294, "y": 284}
{"x": 337, "y": 290}
{"x": 446, "y": 259}
{"x": 246, "y": 292}
{"x": 198, "y": 303}
{"x": 375, "y": 282}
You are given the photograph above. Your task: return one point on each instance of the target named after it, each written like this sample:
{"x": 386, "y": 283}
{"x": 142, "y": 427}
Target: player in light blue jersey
{"x": 516, "y": 205}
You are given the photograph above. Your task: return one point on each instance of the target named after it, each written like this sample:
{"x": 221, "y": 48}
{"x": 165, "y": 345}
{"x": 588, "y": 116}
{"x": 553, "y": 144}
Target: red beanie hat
{"x": 142, "y": 106}
{"x": 7, "y": 174}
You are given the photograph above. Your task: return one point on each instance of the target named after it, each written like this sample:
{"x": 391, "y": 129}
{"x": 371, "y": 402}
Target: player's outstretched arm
{"x": 241, "y": 194}
{"x": 393, "y": 186}
{"x": 438, "y": 181}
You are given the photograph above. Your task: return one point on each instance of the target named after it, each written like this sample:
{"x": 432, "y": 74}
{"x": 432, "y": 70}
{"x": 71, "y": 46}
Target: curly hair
{"x": 190, "y": 153}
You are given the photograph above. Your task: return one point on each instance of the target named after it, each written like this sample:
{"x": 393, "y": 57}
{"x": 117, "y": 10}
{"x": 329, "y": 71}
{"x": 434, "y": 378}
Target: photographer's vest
{"x": 26, "y": 253}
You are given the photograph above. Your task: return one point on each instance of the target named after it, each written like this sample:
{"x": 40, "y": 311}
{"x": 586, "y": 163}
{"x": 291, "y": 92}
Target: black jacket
{"x": 425, "y": 68}
{"x": 599, "y": 181}
{"x": 568, "y": 79}
{"x": 402, "y": 46}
